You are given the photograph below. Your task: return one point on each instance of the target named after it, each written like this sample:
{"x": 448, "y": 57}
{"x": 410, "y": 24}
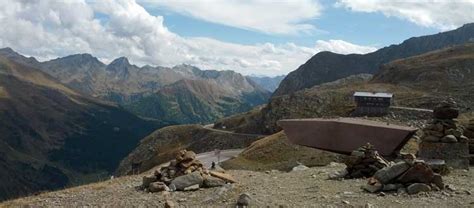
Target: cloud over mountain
{"x": 108, "y": 29}
{"x": 442, "y": 14}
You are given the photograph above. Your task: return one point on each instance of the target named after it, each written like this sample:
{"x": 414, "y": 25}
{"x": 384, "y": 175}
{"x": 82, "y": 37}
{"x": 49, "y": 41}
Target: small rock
{"x": 345, "y": 202}
{"x": 192, "y": 188}
{"x": 463, "y": 139}
{"x": 373, "y": 185}
{"x": 449, "y": 139}
{"x": 369, "y": 205}
{"x": 450, "y": 188}
{"x": 337, "y": 175}
{"x": 148, "y": 179}
{"x": 299, "y": 167}
{"x": 157, "y": 187}
{"x": 401, "y": 191}
{"x": 417, "y": 188}
{"x": 382, "y": 194}
{"x": 438, "y": 181}
{"x": 244, "y": 200}
{"x": 391, "y": 187}
{"x": 169, "y": 204}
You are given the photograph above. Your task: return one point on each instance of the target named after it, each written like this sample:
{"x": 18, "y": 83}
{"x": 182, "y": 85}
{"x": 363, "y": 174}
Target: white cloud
{"x": 268, "y": 16}
{"x": 342, "y": 47}
{"x": 48, "y": 29}
{"x": 441, "y": 14}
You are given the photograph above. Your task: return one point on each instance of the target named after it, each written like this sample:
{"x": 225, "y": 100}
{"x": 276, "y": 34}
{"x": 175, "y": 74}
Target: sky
{"x": 262, "y": 37}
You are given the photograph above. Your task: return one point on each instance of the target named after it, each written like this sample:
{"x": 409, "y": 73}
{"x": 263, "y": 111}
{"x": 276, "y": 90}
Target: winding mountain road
{"x": 211, "y": 128}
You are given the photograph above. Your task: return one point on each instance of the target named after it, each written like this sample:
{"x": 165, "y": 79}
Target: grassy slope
{"x": 276, "y": 152}
{"x": 51, "y": 136}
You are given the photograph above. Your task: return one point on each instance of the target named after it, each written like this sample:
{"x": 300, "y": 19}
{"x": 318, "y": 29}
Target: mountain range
{"x": 327, "y": 66}
{"x": 268, "y": 83}
{"x": 180, "y": 94}
{"x": 52, "y": 136}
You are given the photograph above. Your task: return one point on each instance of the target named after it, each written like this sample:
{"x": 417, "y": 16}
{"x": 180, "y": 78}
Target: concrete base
{"x": 456, "y": 155}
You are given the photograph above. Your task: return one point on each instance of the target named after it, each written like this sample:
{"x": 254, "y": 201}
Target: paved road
{"x": 413, "y": 109}
{"x": 208, "y": 157}
{"x": 211, "y": 127}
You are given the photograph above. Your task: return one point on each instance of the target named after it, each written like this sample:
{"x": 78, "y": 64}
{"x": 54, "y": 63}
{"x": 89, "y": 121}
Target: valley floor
{"x": 305, "y": 188}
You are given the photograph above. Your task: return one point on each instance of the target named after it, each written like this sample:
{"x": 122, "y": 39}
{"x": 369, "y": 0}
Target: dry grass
{"x": 276, "y": 152}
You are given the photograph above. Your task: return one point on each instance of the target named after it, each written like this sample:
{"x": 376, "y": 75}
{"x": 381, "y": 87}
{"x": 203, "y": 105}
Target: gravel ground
{"x": 305, "y": 188}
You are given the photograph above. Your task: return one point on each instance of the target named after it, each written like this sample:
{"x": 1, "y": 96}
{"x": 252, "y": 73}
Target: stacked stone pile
{"x": 443, "y": 138}
{"x": 184, "y": 173}
{"x": 407, "y": 176}
{"x": 364, "y": 162}
{"x": 444, "y": 127}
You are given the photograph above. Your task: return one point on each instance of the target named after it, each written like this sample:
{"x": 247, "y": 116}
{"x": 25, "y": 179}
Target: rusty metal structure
{"x": 343, "y": 135}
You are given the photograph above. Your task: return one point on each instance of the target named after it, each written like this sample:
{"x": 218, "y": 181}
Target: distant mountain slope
{"x": 191, "y": 101}
{"x": 52, "y": 137}
{"x": 268, "y": 83}
{"x": 327, "y": 66}
{"x": 143, "y": 89}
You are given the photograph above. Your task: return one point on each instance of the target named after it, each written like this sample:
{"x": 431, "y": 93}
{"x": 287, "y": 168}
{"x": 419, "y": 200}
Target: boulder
{"x": 417, "y": 188}
{"x": 449, "y": 139}
{"x": 181, "y": 182}
{"x": 389, "y": 173}
{"x": 157, "y": 187}
{"x": 210, "y": 182}
{"x": 420, "y": 172}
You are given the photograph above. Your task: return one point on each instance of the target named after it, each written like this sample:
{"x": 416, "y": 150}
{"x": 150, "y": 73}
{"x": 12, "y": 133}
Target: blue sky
{"x": 264, "y": 37}
{"x": 373, "y": 29}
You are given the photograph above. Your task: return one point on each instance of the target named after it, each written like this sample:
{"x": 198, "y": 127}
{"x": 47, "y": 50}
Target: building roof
{"x": 373, "y": 94}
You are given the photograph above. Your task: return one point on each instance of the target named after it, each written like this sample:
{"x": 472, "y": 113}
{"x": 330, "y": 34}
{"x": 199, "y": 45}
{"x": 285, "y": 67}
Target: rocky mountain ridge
{"x": 139, "y": 88}
{"x": 52, "y": 136}
{"x": 327, "y": 66}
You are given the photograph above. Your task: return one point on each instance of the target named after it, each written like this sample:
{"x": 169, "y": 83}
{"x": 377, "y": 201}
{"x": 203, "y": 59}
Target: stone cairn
{"x": 185, "y": 173}
{"x": 364, "y": 162}
{"x": 410, "y": 176}
{"x": 443, "y": 138}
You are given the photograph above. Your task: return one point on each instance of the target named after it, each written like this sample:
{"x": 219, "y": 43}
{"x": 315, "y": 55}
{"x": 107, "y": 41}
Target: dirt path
{"x": 208, "y": 157}
{"x": 306, "y": 188}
